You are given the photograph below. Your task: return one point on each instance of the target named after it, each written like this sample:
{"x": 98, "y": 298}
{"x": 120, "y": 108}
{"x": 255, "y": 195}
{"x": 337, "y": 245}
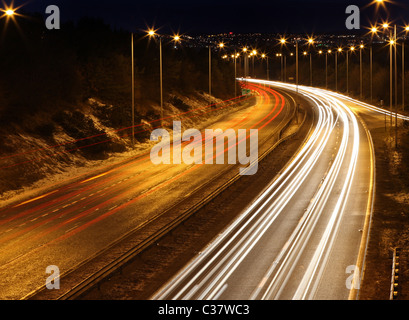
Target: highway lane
{"x": 306, "y": 231}
{"x": 76, "y": 221}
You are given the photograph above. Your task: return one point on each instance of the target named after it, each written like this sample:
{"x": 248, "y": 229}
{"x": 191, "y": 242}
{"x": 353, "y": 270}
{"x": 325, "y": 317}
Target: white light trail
{"x": 207, "y": 275}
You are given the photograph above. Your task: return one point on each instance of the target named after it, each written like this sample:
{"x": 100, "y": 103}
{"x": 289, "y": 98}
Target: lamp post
{"x": 352, "y": 49}
{"x": 311, "y": 70}
{"x": 336, "y": 67}
{"x": 326, "y": 68}
{"x": 394, "y": 45}
{"x": 361, "y": 47}
{"x": 152, "y": 34}
{"x": 403, "y": 70}
{"x": 245, "y": 62}
{"x": 253, "y": 54}
{"x": 264, "y": 56}
{"x": 310, "y": 43}
{"x": 283, "y": 42}
{"x": 391, "y": 43}
{"x": 234, "y": 56}
{"x": 210, "y": 70}
{"x": 374, "y": 31}
{"x": 296, "y": 64}
{"x": 305, "y": 53}
{"x": 280, "y": 55}
{"x": 133, "y": 89}
{"x": 176, "y": 38}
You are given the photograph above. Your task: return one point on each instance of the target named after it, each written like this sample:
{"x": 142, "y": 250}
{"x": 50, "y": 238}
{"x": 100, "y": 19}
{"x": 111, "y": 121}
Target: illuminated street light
{"x": 264, "y": 56}
{"x": 352, "y": 49}
{"x": 152, "y": 33}
{"x": 339, "y": 51}
{"x": 245, "y": 61}
{"x": 253, "y": 54}
{"x": 392, "y": 45}
{"x": 311, "y": 43}
{"x": 235, "y": 56}
{"x": 403, "y": 71}
{"x": 326, "y": 68}
{"x": 361, "y": 47}
{"x": 9, "y": 12}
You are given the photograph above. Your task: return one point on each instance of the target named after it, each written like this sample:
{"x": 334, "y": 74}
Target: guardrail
{"x": 394, "y": 292}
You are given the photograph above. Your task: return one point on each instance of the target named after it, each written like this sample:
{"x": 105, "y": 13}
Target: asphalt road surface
{"x": 305, "y": 236}
{"x": 76, "y": 221}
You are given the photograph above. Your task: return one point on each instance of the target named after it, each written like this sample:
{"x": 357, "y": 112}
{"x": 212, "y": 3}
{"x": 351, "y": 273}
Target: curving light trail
{"x": 311, "y": 239}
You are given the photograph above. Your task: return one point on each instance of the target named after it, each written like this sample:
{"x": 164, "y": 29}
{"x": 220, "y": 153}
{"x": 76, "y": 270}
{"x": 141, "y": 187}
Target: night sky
{"x": 211, "y": 16}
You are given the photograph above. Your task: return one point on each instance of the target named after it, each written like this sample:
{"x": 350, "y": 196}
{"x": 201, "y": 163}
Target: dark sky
{"x": 210, "y": 16}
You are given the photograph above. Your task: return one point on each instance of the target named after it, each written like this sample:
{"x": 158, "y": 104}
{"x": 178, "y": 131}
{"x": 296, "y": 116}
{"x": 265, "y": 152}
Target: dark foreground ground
{"x": 390, "y": 226}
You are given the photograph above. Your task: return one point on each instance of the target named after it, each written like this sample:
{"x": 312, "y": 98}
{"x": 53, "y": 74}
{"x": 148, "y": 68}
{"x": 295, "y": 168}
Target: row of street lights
{"x": 253, "y": 53}
{"x": 349, "y": 51}
{"x": 10, "y": 12}
{"x": 176, "y": 38}
{"x": 374, "y": 30}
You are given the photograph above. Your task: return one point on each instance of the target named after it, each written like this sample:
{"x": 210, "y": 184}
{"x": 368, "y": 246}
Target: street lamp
{"x": 339, "y": 51}
{"x": 393, "y": 43}
{"x": 235, "y": 56}
{"x": 361, "y": 47}
{"x": 9, "y": 12}
{"x": 280, "y": 55}
{"x": 152, "y": 33}
{"x": 403, "y": 70}
{"x": 352, "y": 49}
{"x": 374, "y": 31}
{"x": 283, "y": 42}
{"x": 264, "y": 56}
{"x": 133, "y": 89}
{"x": 245, "y": 62}
{"x": 310, "y": 43}
{"x": 253, "y": 54}
{"x": 326, "y": 66}
{"x": 296, "y": 64}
